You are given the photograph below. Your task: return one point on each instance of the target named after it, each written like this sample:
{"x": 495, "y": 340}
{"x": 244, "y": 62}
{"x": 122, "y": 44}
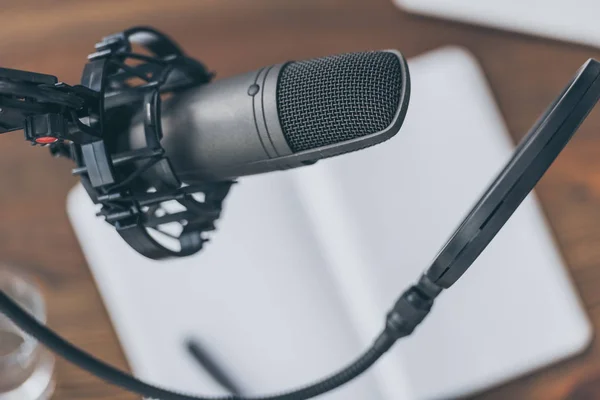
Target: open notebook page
{"x": 259, "y": 298}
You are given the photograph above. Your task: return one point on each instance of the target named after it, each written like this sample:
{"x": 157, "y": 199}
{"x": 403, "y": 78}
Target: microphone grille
{"x": 334, "y": 99}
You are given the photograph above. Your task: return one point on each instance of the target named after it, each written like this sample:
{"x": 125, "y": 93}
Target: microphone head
{"x": 356, "y": 99}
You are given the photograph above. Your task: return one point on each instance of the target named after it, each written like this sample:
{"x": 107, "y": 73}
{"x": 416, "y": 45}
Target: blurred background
{"x": 525, "y": 74}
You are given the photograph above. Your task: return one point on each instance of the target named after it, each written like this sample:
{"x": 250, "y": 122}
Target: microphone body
{"x": 283, "y": 116}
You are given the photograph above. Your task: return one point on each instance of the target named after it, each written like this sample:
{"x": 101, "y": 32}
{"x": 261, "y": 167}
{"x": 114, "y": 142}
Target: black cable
{"x": 126, "y": 381}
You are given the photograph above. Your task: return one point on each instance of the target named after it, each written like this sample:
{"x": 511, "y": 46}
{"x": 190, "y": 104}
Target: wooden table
{"x": 525, "y": 74}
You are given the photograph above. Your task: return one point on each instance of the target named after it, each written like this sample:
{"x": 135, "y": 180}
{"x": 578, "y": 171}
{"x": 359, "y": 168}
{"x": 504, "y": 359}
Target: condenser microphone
{"x": 283, "y": 116}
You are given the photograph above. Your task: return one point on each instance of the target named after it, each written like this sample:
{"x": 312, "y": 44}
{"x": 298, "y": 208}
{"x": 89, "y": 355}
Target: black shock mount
{"x": 156, "y": 213}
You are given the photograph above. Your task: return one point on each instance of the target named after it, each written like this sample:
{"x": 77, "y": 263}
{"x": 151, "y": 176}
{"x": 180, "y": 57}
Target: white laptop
{"x": 570, "y": 20}
{"x": 305, "y": 264}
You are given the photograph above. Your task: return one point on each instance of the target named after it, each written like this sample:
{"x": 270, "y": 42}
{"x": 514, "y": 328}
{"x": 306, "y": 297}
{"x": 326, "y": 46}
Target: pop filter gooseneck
{"x": 394, "y": 330}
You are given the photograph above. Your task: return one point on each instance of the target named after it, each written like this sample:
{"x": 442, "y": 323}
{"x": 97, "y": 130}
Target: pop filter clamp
{"x": 56, "y": 114}
{"x": 86, "y": 122}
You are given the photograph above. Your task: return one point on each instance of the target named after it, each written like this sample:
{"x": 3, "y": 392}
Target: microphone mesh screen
{"x": 338, "y": 98}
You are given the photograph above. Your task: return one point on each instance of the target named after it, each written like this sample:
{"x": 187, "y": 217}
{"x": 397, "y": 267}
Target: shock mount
{"x": 157, "y": 214}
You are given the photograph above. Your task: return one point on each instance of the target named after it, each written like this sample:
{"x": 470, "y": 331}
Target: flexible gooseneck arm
{"x": 408, "y": 312}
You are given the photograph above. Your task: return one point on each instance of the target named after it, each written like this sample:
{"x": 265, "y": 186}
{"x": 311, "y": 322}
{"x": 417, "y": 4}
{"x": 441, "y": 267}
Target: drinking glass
{"x": 26, "y": 368}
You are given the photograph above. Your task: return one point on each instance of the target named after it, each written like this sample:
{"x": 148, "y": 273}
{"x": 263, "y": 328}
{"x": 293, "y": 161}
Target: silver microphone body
{"x": 283, "y": 116}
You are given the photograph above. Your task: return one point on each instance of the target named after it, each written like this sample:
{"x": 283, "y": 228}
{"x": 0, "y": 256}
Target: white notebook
{"x": 305, "y": 264}
{"x": 570, "y": 20}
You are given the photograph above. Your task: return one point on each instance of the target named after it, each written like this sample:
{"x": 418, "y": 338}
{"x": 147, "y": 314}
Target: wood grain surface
{"x": 525, "y": 74}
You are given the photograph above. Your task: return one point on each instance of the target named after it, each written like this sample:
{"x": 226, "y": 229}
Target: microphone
{"x": 136, "y": 154}
{"x": 283, "y": 116}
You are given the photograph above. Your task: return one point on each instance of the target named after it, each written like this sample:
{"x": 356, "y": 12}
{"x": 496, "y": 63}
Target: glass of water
{"x": 26, "y": 368}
